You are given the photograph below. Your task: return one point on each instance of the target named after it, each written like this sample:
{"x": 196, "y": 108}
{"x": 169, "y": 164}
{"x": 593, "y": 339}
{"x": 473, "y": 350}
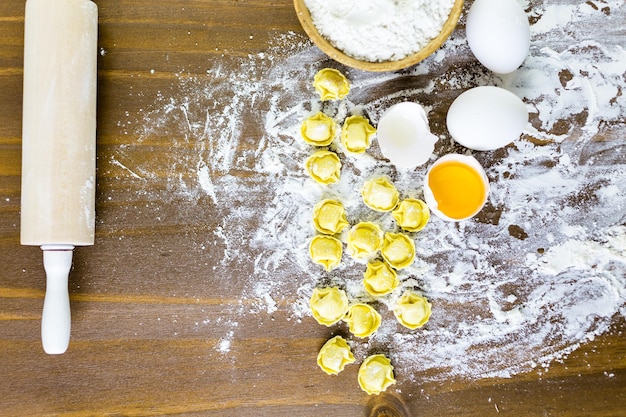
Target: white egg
{"x": 404, "y": 136}
{"x": 486, "y": 118}
{"x": 498, "y": 33}
{"x": 456, "y": 187}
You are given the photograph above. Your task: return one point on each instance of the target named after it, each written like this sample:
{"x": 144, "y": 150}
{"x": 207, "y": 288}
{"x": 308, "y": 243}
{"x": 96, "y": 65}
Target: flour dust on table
{"x": 540, "y": 271}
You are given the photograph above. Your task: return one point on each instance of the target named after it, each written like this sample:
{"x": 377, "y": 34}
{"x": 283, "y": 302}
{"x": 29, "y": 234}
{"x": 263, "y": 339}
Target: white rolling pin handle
{"x": 56, "y": 316}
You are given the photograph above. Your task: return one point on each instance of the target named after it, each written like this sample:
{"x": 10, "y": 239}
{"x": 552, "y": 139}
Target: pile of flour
{"x": 379, "y": 30}
{"x": 542, "y": 271}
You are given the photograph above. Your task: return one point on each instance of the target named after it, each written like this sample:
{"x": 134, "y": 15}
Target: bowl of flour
{"x": 378, "y": 35}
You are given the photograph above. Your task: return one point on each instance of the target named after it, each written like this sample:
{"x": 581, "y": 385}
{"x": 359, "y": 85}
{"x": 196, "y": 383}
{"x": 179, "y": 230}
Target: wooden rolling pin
{"x": 59, "y": 147}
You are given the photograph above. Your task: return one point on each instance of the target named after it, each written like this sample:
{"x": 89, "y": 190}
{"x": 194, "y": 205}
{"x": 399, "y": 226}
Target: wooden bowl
{"x": 307, "y": 24}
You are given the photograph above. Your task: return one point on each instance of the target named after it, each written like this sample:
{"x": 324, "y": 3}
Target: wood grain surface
{"x": 145, "y": 309}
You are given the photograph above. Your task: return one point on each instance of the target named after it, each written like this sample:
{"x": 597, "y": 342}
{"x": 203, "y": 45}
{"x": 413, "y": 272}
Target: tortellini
{"x": 329, "y": 217}
{"x": 363, "y": 320}
{"x": 379, "y": 278}
{"x": 380, "y": 194}
{"x": 328, "y": 305}
{"x": 331, "y": 84}
{"x": 398, "y": 250}
{"x": 326, "y": 251}
{"x": 318, "y": 130}
{"x": 324, "y": 167}
{"x": 411, "y": 215}
{"x": 335, "y": 355}
{"x": 412, "y": 310}
{"x": 364, "y": 240}
{"x": 376, "y": 374}
{"x": 356, "y": 134}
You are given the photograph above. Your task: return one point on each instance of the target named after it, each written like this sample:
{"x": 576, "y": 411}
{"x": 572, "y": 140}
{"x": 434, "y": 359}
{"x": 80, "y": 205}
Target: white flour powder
{"x": 511, "y": 292}
{"x": 379, "y": 30}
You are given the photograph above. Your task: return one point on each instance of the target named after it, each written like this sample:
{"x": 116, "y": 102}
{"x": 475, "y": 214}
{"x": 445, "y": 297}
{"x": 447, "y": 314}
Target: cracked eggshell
{"x": 404, "y": 135}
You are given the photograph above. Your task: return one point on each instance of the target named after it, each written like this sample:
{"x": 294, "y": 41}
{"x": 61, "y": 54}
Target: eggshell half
{"x": 486, "y": 118}
{"x": 498, "y": 33}
{"x": 404, "y": 136}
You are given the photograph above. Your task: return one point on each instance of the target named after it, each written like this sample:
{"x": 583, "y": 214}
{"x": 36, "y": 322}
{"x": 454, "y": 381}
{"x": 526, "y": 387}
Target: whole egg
{"x": 498, "y": 33}
{"x": 486, "y": 118}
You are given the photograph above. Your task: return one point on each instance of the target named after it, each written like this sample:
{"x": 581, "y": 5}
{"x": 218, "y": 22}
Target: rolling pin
{"x": 59, "y": 147}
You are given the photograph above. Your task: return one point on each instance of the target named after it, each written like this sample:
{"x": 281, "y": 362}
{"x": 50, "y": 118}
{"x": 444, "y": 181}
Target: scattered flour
{"x": 224, "y": 343}
{"x": 540, "y": 272}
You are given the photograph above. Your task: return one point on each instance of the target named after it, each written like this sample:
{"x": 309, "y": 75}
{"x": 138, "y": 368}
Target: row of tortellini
{"x": 375, "y": 373}
{"x": 320, "y": 130}
{"x": 330, "y": 305}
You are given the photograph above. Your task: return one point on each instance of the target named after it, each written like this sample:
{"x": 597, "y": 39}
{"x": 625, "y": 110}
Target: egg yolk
{"x": 458, "y": 189}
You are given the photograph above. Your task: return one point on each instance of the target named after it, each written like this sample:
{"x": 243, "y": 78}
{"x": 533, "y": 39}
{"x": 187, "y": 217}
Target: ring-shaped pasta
{"x": 331, "y": 84}
{"x": 326, "y": 251}
{"x": 398, "y": 250}
{"x": 329, "y": 217}
{"x": 380, "y": 194}
{"x": 379, "y": 278}
{"x": 363, "y": 320}
{"x": 411, "y": 214}
{"x": 356, "y": 134}
{"x": 376, "y": 374}
{"x": 335, "y": 355}
{"x": 364, "y": 240}
{"x": 318, "y": 130}
{"x": 328, "y": 305}
{"x": 412, "y": 310}
{"x": 324, "y": 167}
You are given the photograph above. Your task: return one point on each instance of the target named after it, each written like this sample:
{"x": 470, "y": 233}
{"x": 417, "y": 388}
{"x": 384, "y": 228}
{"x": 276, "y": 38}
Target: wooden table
{"x": 157, "y": 329}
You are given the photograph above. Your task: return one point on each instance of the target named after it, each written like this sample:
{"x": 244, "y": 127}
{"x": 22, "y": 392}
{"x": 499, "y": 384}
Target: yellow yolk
{"x": 458, "y": 189}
